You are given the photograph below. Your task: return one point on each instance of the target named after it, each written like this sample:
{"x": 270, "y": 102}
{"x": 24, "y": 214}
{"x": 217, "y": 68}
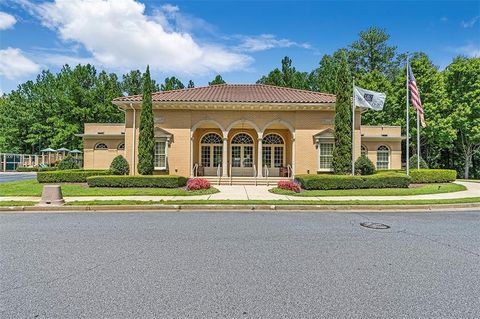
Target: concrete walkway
{"x": 248, "y": 192}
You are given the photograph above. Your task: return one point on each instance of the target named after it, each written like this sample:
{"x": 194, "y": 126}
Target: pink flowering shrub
{"x": 194, "y": 184}
{"x": 289, "y": 185}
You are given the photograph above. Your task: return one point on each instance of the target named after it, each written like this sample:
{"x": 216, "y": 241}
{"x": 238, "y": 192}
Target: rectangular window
{"x": 160, "y": 158}
{"x": 278, "y": 156}
{"x": 267, "y": 156}
{"x": 382, "y": 160}
{"x": 248, "y": 156}
{"x": 236, "y": 156}
{"x": 205, "y": 160}
{"x": 325, "y": 156}
{"x": 217, "y": 155}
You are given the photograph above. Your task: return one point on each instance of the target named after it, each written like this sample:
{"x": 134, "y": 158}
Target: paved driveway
{"x": 239, "y": 265}
{"x": 14, "y": 176}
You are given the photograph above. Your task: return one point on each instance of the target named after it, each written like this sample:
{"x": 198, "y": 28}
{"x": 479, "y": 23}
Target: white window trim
{"x": 389, "y": 158}
{"x": 323, "y": 141}
{"x": 166, "y": 140}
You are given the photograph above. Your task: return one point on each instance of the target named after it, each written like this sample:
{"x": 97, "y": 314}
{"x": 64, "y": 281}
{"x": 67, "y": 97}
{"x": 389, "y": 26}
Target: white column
{"x": 191, "y": 154}
{"x": 259, "y": 155}
{"x": 225, "y": 155}
{"x": 293, "y": 154}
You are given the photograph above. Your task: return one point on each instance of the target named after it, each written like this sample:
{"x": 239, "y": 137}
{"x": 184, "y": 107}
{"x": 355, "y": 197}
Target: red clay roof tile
{"x": 237, "y": 93}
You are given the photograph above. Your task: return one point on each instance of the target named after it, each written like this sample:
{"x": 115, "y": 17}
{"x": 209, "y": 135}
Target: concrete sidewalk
{"x": 250, "y": 192}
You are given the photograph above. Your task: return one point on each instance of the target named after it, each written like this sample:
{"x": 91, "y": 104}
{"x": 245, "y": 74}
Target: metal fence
{"x": 10, "y": 162}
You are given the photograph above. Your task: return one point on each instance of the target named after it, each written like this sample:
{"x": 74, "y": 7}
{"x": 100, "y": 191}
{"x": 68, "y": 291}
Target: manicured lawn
{"x": 16, "y": 203}
{"x": 417, "y": 190}
{"x": 33, "y": 188}
{"x": 279, "y": 202}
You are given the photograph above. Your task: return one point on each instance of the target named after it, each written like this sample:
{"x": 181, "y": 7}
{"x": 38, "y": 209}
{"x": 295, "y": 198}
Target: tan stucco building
{"x": 237, "y": 130}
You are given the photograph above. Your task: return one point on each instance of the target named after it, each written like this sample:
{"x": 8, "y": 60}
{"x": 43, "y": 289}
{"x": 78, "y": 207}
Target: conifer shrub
{"x": 68, "y": 163}
{"x": 364, "y": 166}
{"x": 119, "y": 166}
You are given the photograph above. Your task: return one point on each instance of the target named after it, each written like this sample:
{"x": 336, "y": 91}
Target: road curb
{"x": 247, "y": 207}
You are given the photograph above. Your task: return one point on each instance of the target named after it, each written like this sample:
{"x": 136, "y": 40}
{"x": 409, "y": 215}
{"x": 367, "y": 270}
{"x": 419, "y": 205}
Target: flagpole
{"x": 418, "y": 140}
{"x": 408, "y": 126}
{"x": 353, "y": 126}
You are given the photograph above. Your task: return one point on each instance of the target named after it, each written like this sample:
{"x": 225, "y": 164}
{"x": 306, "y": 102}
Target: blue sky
{"x": 242, "y": 40}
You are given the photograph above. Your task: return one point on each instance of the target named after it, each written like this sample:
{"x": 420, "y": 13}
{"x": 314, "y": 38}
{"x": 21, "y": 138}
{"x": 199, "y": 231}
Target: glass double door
{"x": 242, "y": 160}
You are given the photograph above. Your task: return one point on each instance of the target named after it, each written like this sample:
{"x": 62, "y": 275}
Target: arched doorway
{"x": 242, "y": 155}
{"x": 273, "y": 153}
{"x": 211, "y": 153}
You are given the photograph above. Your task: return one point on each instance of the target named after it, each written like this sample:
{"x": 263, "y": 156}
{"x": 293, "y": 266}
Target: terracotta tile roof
{"x": 237, "y": 93}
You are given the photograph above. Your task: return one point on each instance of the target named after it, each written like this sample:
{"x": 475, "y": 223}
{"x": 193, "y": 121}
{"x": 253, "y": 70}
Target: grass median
{"x": 415, "y": 190}
{"x": 10, "y": 203}
{"x": 34, "y": 188}
{"x": 278, "y": 202}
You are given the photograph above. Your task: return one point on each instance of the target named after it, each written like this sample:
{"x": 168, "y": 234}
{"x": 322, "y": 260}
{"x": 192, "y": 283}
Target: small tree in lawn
{"x": 119, "y": 166}
{"x": 342, "y": 151}
{"x": 146, "y": 142}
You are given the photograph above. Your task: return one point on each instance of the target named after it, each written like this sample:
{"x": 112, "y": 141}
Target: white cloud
{"x": 470, "y": 23}
{"x": 6, "y": 21}
{"x": 266, "y": 42}
{"x": 118, "y": 34}
{"x": 470, "y": 50}
{"x": 13, "y": 64}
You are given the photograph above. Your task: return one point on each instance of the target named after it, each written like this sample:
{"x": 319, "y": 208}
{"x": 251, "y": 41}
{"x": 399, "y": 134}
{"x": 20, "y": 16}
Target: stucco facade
{"x": 236, "y": 138}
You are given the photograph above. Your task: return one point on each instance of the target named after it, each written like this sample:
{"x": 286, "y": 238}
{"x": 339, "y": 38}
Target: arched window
{"x": 363, "y": 150}
{"x": 242, "y": 138}
{"x": 211, "y": 150}
{"x": 212, "y": 138}
{"x": 101, "y": 146}
{"x": 383, "y": 157}
{"x": 273, "y": 139}
{"x": 121, "y": 147}
{"x": 272, "y": 150}
{"x": 242, "y": 150}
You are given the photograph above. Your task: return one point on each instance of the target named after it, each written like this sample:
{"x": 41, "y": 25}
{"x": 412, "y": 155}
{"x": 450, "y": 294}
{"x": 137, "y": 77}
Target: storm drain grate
{"x": 374, "y": 225}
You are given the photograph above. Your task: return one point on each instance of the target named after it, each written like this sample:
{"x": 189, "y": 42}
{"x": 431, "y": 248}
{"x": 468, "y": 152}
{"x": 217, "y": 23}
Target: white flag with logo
{"x": 369, "y": 99}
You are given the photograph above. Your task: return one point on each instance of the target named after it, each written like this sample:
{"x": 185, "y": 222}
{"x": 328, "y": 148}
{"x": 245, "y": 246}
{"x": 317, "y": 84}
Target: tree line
{"x": 50, "y": 110}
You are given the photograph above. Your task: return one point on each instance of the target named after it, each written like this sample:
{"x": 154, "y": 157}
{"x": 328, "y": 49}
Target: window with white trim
{"x": 160, "y": 157}
{"x": 325, "y": 156}
{"x": 383, "y": 157}
{"x": 273, "y": 150}
{"x": 211, "y": 150}
{"x": 101, "y": 146}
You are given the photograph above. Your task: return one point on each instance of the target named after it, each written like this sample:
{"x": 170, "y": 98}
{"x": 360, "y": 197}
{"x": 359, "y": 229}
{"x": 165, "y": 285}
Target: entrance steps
{"x": 242, "y": 180}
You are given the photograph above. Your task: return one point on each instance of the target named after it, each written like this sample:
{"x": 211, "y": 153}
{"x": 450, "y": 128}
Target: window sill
{"x": 160, "y": 169}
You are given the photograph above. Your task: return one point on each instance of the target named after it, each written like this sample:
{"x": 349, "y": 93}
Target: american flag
{"x": 417, "y": 103}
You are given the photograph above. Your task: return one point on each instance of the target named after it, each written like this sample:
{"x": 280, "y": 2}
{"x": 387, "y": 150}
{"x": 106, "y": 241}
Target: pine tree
{"x": 191, "y": 85}
{"x": 146, "y": 142}
{"x": 342, "y": 151}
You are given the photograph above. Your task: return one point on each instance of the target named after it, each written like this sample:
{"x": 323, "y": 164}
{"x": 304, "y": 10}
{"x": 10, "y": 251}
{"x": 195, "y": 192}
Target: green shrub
{"x": 432, "y": 175}
{"x": 27, "y": 169}
{"x": 119, "y": 166}
{"x": 413, "y": 162}
{"x": 68, "y": 163}
{"x": 324, "y": 182}
{"x": 364, "y": 166}
{"x": 69, "y": 176}
{"x": 164, "y": 181}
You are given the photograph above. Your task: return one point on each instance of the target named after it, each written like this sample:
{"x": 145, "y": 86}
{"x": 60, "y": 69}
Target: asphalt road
{"x": 239, "y": 265}
{"x": 12, "y": 177}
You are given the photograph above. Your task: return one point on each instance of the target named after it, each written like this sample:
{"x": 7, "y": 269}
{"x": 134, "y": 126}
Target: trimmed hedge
{"x": 324, "y": 182}
{"x": 27, "y": 169}
{"x": 163, "y": 181}
{"x": 69, "y": 176}
{"x": 422, "y": 176}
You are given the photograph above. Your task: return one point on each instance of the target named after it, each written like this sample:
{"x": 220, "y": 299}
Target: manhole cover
{"x": 374, "y": 225}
